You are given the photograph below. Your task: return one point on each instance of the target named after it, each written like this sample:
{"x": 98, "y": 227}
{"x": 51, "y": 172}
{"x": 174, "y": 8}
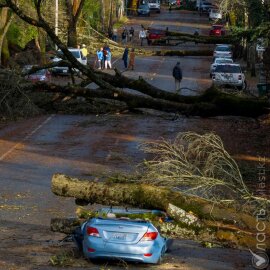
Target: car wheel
{"x": 244, "y": 86}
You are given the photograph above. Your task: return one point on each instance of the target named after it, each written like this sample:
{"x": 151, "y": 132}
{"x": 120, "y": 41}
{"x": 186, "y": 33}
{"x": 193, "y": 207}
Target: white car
{"x": 65, "y": 70}
{"x": 215, "y": 14}
{"x": 229, "y": 75}
{"x": 218, "y": 61}
{"x": 223, "y": 51}
{"x": 154, "y": 5}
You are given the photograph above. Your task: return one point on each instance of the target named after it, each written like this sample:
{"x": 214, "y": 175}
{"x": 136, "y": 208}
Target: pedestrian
{"x": 100, "y": 57}
{"x": 131, "y": 33}
{"x": 131, "y": 59}
{"x": 196, "y": 34}
{"x": 115, "y": 33}
{"x": 177, "y": 74}
{"x": 124, "y": 36}
{"x": 167, "y": 35}
{"x": 108, "y": 60}
{"x": 125, "y": 57}
{"x": 106, "y": 47}
{"x": 104, "y": 52}
{"x": 84, "y": 51}
{"x": 142, "y": 35}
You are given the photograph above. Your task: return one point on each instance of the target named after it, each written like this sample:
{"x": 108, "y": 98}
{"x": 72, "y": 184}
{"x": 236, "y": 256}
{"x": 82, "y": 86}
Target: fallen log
{"x": 150, "y": 197}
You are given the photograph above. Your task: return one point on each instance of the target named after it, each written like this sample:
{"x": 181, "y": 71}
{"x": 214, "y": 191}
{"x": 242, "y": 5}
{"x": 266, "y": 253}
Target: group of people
{"x": 127, "y": 35}
{"x": 104, "y": 57}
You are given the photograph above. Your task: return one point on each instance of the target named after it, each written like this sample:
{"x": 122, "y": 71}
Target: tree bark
{"x": 5, "y": 22}
{"x": 150, "y": 197}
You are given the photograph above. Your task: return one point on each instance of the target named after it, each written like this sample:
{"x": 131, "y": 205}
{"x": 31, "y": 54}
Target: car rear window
{"x": 219, "y": 61}
{"x": 228, "y": 69}
{"x": 223, "y": 49}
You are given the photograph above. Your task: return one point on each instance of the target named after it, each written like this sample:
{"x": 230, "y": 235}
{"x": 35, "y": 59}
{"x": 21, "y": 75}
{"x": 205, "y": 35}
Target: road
{"x": 84, "y": 146}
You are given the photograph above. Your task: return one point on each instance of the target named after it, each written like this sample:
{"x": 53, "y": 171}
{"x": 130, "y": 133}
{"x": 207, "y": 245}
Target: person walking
{"x": 142, "y": 35}
{"x": 131, "y": 59}
{"x": 177, "y": 74}
{"x": 100, "y": 57}
{"x": 125, "y": 57}
{"x": 114, "y": 37}
{"x": 124, "y": 36}
{"x": 131, "y": 33}
{"x": 108, "y": 60}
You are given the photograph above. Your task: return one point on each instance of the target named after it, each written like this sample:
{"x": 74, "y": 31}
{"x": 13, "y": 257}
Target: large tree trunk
{"x": 216, "y": 223}
{"x": 151, "y": 197}
{"x": 5, "y": 21}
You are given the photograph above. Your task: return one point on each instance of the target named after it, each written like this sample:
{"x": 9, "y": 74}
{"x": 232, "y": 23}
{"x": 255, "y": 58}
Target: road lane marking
{"x": 26, "y": 137}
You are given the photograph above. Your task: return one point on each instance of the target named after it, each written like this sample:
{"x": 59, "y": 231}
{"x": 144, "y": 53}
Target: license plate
{"x": 64, "y": 71}
{"x": 119, "y": 236}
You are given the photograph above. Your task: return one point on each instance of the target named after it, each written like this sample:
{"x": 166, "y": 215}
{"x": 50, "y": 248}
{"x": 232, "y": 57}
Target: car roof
{"x": 223, "y": 58}
{"x": 229, "y": 64}
{"x": 217, "y": 25}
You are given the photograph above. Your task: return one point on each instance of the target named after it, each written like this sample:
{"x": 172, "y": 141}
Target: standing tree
{"x": 6, "y": 18}
{"x": 74, "y": 8}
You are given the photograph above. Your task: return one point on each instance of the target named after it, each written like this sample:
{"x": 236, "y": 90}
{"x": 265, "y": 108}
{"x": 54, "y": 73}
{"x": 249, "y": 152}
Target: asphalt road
{"x": 32, "y": 150}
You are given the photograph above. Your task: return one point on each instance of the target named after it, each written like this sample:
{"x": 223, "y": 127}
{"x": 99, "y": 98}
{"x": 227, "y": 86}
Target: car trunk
{"x": 121, "y": 231}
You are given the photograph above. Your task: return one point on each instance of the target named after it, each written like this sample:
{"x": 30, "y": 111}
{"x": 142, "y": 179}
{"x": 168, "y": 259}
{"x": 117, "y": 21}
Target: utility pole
{"x": 56, "y": 20}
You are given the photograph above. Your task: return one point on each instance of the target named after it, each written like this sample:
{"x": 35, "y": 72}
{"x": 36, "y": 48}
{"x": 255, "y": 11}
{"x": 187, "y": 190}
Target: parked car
{"x": 204, "y": 6}
{"x": 64, "y": 70}
{"x": 215, "y": 14}
{"x": 156, "y": 36}
{"x": 217, "y": 30}
{"x": 223, "y": 51}
{"x": 229, "y": 75}
{"x": 172, "y": 2}
{"x": 218, "y": 61}
{"x": 143, "y": 10}
{"x": 38, "y": 76}
{"x": 116, "y": 237}
{"x": 154, "y": 5}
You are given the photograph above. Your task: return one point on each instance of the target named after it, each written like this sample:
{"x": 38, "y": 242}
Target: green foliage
{"x": 21, "y": 33}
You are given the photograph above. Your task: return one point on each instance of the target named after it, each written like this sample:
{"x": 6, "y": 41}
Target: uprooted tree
{"x": 211, "y": 103}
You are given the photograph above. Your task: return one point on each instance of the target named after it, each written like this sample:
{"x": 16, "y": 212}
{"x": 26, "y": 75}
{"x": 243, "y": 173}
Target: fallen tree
{"x": 210, "y": 103}
{"x": 210, "y": 222}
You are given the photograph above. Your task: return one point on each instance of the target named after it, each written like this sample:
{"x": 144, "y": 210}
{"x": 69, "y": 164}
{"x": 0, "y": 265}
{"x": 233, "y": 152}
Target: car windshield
{"x": 153, "y": 1}
{"x": 223, "y": 49}
{"x": 143, "y": 7}
{"x": 214, "y": 11}
{"x": 228, "y": 69}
